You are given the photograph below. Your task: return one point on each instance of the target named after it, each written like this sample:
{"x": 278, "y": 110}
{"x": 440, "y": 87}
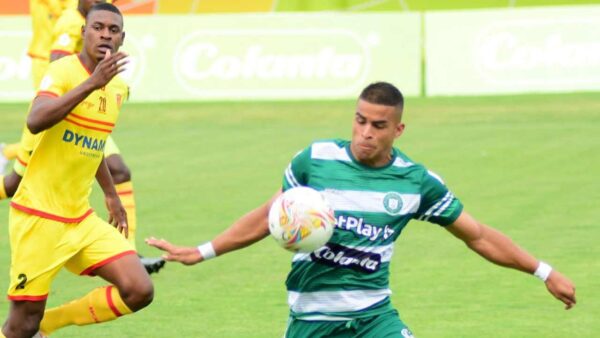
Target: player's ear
{"x": 122, "y": 38}
{"x": 82, "y": 30}
{"x": 399, "y": 129}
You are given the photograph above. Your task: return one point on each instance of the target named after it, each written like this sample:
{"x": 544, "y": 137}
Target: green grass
{"x": 527, "y": 165}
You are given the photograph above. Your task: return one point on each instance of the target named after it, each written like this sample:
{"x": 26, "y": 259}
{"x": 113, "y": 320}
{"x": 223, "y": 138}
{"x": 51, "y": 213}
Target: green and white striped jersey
{"x": 349, "y": 276}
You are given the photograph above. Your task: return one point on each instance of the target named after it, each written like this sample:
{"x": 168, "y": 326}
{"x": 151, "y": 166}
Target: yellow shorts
{"x": 110, "y": 148}
{"x": 38, "y": 70}
{"x": 40, "y": 247}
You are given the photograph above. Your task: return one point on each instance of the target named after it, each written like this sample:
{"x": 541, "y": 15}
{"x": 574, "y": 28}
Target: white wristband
{"x": 207, "y": 251}
{"x": 543, "y": 271}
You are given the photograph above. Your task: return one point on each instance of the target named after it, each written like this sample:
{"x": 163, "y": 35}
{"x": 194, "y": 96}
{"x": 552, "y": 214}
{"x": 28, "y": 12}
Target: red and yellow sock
{"x": 10, "y": 151}
{"x": 100, "y": 305}
{"x": 125, "y": 192}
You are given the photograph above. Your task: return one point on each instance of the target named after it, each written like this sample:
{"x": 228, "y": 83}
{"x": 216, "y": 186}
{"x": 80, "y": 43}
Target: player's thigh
{"x": 387, "y": 325}
{"x": 318, "y": 329}
{"x": 39, "y": 249}
{"x": 104, "y": 245}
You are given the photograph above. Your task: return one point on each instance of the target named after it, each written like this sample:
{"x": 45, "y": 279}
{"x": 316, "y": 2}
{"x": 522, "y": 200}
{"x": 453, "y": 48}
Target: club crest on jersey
{"x": 392, "y": 203}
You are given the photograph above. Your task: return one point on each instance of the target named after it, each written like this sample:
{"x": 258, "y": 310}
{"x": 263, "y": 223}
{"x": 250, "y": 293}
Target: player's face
{"x": 374, "y": 130}
{"x": 103, "y": 31}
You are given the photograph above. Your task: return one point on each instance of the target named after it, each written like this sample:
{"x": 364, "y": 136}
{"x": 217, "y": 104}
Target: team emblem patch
{"x": 392, "y": 203}
{"x": 406, "y": 333}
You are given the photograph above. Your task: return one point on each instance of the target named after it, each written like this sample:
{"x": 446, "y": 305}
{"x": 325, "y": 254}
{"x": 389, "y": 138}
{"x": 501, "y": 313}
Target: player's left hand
{"x": 561, "y": 288}
{"x": 182, "y": 254}
{"x": 117, "y": 216}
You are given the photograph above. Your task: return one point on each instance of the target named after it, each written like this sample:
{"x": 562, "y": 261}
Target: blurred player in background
{"x": 342, "y": 289}
{"x": 51, "y": 223}
{"x": 66, "y": 39}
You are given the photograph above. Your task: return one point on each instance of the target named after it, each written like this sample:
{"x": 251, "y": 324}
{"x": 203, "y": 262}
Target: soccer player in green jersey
{"x": 375, "y": 190}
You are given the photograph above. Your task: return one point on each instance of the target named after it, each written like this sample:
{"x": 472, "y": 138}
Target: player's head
{"x": 103, "y": 31}
{"x": 85, "y": 5}
{"x": 377, "y": 123}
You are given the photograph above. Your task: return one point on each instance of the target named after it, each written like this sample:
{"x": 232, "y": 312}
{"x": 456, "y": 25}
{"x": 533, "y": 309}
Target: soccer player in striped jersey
{"x": 342, "y": 289}
{"x": 51, "y": 223}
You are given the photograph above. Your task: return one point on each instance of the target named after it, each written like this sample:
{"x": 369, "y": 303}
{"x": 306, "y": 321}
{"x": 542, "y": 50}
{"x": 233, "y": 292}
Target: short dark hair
{"x": 105, "y": 6}
{"x": 383, "y": 93}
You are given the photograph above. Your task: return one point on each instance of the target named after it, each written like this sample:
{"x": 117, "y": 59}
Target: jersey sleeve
{"x": 296, "y": 174}
{"x": 65, "y": 37}
{"x": 54, "y": 83}
{"x": 438, "y": 204}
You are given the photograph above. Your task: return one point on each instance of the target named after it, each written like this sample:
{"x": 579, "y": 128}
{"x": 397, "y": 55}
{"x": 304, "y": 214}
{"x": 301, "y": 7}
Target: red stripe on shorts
{"x": 89, "y": 271}
{"x": 28, "y": 298}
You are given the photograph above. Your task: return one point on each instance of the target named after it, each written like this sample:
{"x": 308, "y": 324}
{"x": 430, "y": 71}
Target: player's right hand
{"x": 182, "y": 254}
{"x": 561, "y": 288}
{"x": 107, "y": 68}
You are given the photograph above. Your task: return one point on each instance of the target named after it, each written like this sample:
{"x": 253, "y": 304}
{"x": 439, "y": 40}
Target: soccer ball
{"x": 301, "y": 219}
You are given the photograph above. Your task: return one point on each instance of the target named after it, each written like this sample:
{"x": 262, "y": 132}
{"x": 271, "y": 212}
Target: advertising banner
{"x": 512, "y": 51}
{"x": 248, "y": 56}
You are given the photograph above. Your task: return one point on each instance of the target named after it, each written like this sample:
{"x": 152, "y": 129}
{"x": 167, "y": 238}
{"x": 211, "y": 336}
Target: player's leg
{"x": 9, "y": 185}
{"x": 35, "y": 261}
{"x": 8, "y": 152}
{"x": 124, "y": 186}
{"x": 10, "y": 182}
{"x": 23, "y": 319}
{"x": 111, "y": 257}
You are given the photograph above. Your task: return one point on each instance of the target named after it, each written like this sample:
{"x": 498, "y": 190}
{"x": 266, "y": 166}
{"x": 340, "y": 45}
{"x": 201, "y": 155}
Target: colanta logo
{"x": 341, "y": 256}
{"x": 290, "y": 62}
{"x": 542, "y": 52}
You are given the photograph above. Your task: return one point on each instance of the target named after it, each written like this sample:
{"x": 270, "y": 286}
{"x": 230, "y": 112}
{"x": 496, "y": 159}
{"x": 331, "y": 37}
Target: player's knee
{"x": 120, "y": 173}
{"x": 138, "y": 295}
{"x": 27, "y": 326}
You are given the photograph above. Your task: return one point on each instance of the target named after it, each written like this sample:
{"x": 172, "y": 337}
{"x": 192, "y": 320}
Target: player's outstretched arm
{"x": 249, "y": 229}
{"x": 499, "y": 249}
{"x": 47, "y": 111}
{"x": 117, "y": 215}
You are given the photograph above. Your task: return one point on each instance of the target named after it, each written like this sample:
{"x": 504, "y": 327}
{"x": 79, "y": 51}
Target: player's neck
{"x": 88, "y": 62}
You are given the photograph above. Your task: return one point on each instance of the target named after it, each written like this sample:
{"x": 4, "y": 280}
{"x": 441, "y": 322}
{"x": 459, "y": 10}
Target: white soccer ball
{"x": 301, "y": 219}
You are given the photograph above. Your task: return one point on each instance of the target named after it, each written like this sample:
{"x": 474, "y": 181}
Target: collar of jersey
{"x": 355, "y": 161}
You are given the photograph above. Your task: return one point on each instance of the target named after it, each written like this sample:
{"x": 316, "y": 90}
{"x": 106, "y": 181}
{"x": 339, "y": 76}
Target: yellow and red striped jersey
{"x": 65, "y": 157}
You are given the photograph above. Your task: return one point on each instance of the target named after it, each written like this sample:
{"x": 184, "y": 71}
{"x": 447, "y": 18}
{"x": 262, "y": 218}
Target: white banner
{"x": 513, "y": 51}
{"x": 247, "y": 56}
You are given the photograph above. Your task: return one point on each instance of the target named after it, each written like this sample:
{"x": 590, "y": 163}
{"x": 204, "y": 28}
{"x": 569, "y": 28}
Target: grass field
{"x": 528, "y": 165}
